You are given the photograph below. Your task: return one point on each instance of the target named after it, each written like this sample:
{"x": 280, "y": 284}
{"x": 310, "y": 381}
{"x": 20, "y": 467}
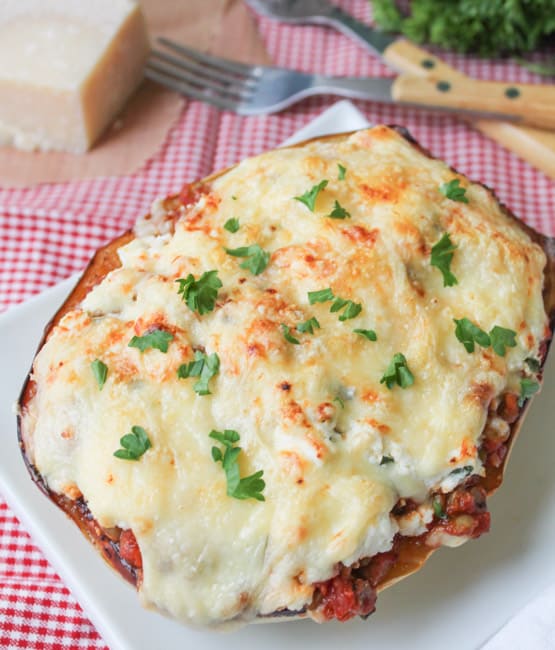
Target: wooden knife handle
{"x": 533, "y": 104}
{"x": 534, "y": 145}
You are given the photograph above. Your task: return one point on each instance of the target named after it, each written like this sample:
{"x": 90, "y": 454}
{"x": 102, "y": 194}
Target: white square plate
{"x": 458, "y": 600}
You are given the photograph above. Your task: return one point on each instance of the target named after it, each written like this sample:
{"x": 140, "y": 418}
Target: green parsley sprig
{"x": 257, "y": 258}
{"x": 351, "y": 309}
{"x": 398, "y": 372}
{"x": 339, "y": 212}
{"x": 442, "y": 256}
{"x": 200, "y": 295}
{"x": 499, "y": 338}
{"x": 249, "y": 487}
{"x": 341, "y": 172}
{"x": 368, "y": 334}
{"x": 133, "y": 444}
{"x": 156, "y": 339}
{"x": 528, "y": 387}
{"x": 232, "y": 225}
{"x": 205, "y": 367}
{"x": 100, "y": 372}
{"x": 309, "y": 197}
{"x": 286, "y": 330}
{"x": 453, "y": 190}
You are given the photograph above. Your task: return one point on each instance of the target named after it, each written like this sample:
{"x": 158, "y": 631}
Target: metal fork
{"x": 257, "y": 89}
{"x": 245, "y": 89}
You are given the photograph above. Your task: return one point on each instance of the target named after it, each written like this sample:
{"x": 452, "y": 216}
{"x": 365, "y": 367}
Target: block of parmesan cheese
{"x": 67, "y": 67}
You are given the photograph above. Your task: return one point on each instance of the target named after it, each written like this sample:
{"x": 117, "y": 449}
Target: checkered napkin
{"x": 50, "y": 231}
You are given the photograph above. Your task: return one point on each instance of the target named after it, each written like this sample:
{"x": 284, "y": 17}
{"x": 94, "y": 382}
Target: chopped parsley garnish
{"x": 133, "y": 444}
{"x": 205, "y": 367}
{"x": 528, "y": 387}
{"x": 320, "y": 296}
{"x": 533, "y": 364}
{"x": 200, "y": 295}
{"x": 309, "y": 198}
{"x": 467, "y": 470}
{"x": 342, "y": 172}
{"x": 469, "y": 334}
{"x": 442, "y": 256}
{"x": 452, "y": 190}
{"x": 438, "y": 508}
{"x": 100, "y": 372}
{"x": 339, "y": 401}
{"x": 157, "y": 339}
{"x": 250, "y": 487}
{"x": 232, "y": 225}
{"x": 368, "y": 334}
{"x": 502, "y": 338}
{"x": 308, "y": 326}
{"x": 234, "y": 198}
{"x": 287, "y": 334}
{"x": 339, "y": 212}
{"x": 351, "y": 309}
{"x": 499, "y": 338}
{"x": 398, "y": 373}
{"x": 386, "y": 460}
{"x": 256, "y": 257}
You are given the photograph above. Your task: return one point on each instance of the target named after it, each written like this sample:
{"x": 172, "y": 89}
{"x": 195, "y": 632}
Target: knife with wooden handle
{"x": 534, "y": 145}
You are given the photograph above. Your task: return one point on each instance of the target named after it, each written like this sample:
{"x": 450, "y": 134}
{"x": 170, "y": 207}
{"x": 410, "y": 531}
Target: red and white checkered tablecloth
{"x": 49, "y": 231}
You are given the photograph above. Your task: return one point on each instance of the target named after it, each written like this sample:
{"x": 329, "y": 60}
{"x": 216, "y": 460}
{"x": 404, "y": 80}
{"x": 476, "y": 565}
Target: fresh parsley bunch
{"x": 483, "y": 27}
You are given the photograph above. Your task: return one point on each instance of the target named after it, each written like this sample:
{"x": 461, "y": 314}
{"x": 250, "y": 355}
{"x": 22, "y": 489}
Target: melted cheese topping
{"x": 207, "y": 557}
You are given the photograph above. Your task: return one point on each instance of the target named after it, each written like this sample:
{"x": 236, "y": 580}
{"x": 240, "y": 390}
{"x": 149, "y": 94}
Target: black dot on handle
{"x": 512, "y": 92}
{"x": 443, "y": 86}
{"x": 428, "y": 63}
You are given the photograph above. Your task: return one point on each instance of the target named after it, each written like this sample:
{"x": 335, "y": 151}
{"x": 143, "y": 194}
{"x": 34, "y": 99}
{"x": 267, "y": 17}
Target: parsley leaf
{"x": 398, "y": 373}
{"x": 100, "y": 372}
{"x": 469, "y": 334}
{"x": 386, "y": 460}
{"x": 308, "y": 326}
{"x": 438, "y": 508}
{"x": 368, "y": 334}
{"x": 533, "y": 364}
{"x": 158, "y": 339}
{"x": 133, "y": 444}
{"x": 249, "y": 487}
{"x": 320, "y": 296}
{"x": 528, "y": 387}
{"x": 200, "y": 295}
{"x": 502, "y": 338}
{"x": 466, "y": 470}
{"x": 342, "y": 172}
{"x": 232, "y": 225}
{"x": 309, "y": 198}
{"x": 287, "y": 334}
{"x": 339, "y": 212}
{"x": 257, "y": 258}
{"x": 452, "y": 190}
{"x": 352, "y": 309}
{"x": 205, "y": 367}
{"x": 442, "y": 256}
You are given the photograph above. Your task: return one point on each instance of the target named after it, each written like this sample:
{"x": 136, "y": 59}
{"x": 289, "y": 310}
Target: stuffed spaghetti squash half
{"x": 293, "y": 381}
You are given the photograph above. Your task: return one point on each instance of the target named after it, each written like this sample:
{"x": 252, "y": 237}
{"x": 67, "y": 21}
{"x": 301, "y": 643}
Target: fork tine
{"x": 181, "y": 86}
{"x": 203, "y": 76}
{"x": 214, "y": 61}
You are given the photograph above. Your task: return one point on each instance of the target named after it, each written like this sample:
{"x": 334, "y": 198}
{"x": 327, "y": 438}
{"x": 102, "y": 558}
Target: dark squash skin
{"x": 117, "y": 547}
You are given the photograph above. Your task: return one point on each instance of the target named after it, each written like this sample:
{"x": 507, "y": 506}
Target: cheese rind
{"x": 66, "y": 71}
{"x": 209, "y": 558}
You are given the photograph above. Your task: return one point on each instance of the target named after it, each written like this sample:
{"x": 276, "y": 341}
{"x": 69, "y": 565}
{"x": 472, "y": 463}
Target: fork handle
{"x": 532, "y": 104}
